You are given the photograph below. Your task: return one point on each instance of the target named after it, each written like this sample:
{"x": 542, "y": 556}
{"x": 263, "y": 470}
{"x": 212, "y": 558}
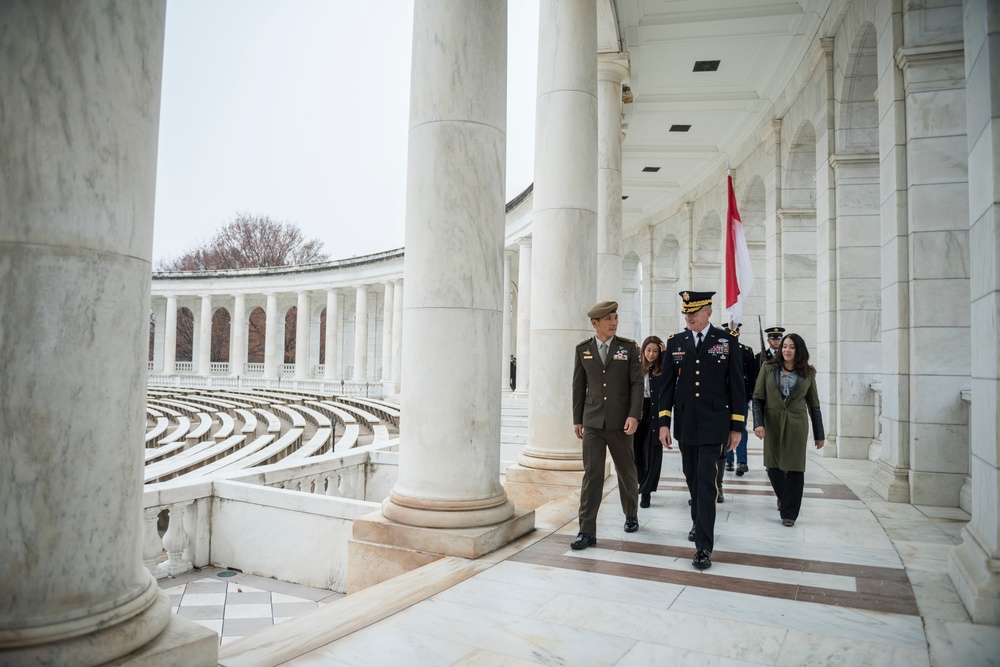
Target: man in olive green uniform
{"x": 607, "y": 404}
{"x": 704, "y": 396}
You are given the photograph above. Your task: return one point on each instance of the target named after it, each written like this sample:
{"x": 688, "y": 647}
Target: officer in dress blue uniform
{"x": 703, "y": 397}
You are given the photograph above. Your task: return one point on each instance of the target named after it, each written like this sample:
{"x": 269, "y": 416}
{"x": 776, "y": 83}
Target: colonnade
{"x": 363, "y": 326}
{"x": 80, "y": 241}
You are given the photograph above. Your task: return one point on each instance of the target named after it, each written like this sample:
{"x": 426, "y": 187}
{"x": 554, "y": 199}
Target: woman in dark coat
{"x": 785, "y": 392}
{"x": 648, "y": 452}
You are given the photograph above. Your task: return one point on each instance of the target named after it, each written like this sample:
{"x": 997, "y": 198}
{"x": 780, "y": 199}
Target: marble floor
{"x": 856, "y": 581}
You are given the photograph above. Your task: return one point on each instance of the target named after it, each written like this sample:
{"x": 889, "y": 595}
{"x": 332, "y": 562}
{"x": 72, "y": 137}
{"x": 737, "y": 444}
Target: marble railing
{"x": 218, "y": 367}
{"x": 339, "y": 387}
{"x": 180, "y": 519}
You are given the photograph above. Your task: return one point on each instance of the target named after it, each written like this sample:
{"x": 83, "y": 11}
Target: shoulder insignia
{"x": 671, "y": 336}
{"x": 627, "y": 340}
{"x": 584, "y": 342}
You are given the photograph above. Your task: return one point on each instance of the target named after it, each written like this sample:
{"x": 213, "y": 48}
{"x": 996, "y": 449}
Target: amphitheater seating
{"x": 193, "y": 434}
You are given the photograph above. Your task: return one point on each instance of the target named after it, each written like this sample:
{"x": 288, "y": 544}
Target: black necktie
{"x": 698, "y": 346}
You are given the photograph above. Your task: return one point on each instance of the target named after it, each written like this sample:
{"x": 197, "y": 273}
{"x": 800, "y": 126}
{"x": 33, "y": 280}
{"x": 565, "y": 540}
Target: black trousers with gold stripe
{"x": 701, "y": 466}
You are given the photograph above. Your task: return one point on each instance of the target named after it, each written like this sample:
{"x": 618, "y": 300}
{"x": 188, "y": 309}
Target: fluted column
{"x": 523, "y": 313}
{"x": 205, "y": 336}
{"x": 302, "y": 336}
{"x": 170, "y": 337}
{"x": 332, "y": 327}
{"x": 271, "y": 329}
{"x": 505, "y": 347}
{"x": 564, "y": 232}
{"x": 238, "y": 336}
{"x": 361, "y": 334}
{"x": 78, "y": 131}
{"x": 387, "y": 332}
{"x": 450, "y": 477}
{"x": 397, "y": 333}
{"x": 612, "y": 72}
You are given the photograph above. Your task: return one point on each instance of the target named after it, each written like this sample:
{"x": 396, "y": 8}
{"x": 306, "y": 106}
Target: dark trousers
{"x": 788, "y": 487}
{"x": 701, "y": 469}
{"x": 596, "y": 442}
{"x": 648, "y": 452}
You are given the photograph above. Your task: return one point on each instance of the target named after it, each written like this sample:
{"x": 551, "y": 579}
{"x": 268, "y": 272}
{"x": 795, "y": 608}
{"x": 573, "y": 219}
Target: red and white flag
{"x": 739, "y": 273}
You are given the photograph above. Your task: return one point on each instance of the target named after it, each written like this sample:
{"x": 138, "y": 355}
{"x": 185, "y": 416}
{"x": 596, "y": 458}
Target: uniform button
{"x": 697, "y": 372}
{"x": 605, "y": 398}
{"x": 697, "y": 395}
{"x": 697, "y": 384}
{"x": 697, "y": 361}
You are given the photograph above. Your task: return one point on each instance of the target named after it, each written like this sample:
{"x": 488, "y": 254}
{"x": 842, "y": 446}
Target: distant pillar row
{"x": 361, "y": 334}
{"x": 449, "y": 457}
{"x": 387, "y": 332}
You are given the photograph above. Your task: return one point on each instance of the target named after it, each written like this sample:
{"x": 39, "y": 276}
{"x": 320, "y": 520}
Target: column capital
{"x": 524, "y": 242}
{"x": 771, "y": 131}
{"x": 613, "y": 67}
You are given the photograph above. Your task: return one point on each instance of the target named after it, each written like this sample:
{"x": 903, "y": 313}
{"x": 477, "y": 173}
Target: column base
{"x": 533, "y": 487}
{"x": 976, "y": 576}
{"x": 167, "y": 640}
{"x": 529, "y": 459}
{"x": 380, "y": 549}
{"x": 965, "y": 495}
{"x": 830, "y": 449}
{"x": 941, "y": 489}
{"x": 850, "y": 447}
{"x": 891, "y": 483}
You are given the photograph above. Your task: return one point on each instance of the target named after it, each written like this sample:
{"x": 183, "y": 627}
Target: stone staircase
{"x": 513, "y": 427}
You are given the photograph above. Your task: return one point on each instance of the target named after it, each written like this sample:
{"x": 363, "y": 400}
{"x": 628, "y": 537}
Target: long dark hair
{"x": 658, "y": 364}
{"x": 801, "y": 363}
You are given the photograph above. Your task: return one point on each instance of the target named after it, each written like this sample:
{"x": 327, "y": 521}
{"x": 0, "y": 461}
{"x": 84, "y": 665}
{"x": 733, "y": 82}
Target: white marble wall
{"x": 449, "y": 461}
{"x": 78, "y": 126}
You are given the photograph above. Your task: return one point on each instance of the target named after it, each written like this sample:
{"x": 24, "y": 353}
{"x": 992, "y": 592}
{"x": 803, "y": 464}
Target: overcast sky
{"x": 299, "y": 111}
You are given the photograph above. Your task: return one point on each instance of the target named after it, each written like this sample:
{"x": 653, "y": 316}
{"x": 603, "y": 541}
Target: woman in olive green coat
{"x": 784, "y": 394}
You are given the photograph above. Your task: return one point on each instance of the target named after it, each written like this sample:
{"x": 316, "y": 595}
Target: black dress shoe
{"x": 644, "y": 501}
{"x": 582, "y": 541}
{"x": 779, "y": 504}
{"x": 741, "y": 469}
{"x": 729, "y": 467}
{"x": 691, "y": 534}
{"x": 788, "y": 523}
{"x": 702, "y": 559}
{"x": 721, "y": 497}
{"x": 631, "y": 524}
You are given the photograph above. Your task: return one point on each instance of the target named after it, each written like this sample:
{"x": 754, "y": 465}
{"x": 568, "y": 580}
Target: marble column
{"x": 170, "y": 337}
{"x": 332, "y": 328}
{"x": 387, "y": 303}
{"x": 564, "y": 232}
{"x": 159, "y": 317}
{"x": 78, "y": 130}
{"x": 523, "y": 314}
{"x": 361, "y": 334}
{"x": 238, "y": 336}
{"x": 449, "y": 455}
{"x": 505, "y": 345}
{"x": 974, "y": 565}
{"x": 302, "y": 336}
{"x": 205, "y": 337}
{"x": 397, "y": 334}
{"x": 925, "y": 267}
{"x": 612, "y": 72}
{"x": 272, "y": 329}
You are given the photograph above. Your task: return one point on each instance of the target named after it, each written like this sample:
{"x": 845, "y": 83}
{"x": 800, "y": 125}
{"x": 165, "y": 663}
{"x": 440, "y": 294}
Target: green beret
{"x": 602, "y": 309}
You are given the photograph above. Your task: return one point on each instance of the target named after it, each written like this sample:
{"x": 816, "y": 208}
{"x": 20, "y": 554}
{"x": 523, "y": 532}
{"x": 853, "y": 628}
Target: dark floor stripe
{"x": 879, "y": 588}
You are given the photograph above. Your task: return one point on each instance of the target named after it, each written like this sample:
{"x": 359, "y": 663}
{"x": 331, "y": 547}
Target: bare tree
{"x": 250, "y": 241}
{"x": 247, "y": 242}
